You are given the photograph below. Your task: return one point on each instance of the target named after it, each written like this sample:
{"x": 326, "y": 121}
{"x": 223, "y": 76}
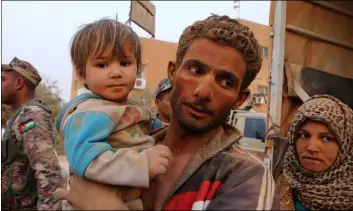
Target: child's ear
{"x": 81, "y": 75}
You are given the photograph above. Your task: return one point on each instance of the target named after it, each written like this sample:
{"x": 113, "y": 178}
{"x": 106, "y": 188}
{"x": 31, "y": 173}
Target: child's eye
{"x": 102, "y": 65}
{"x": 124, "y": 63}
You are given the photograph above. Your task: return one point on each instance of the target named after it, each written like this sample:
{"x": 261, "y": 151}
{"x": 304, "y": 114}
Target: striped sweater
{"x": 221, "y": 176}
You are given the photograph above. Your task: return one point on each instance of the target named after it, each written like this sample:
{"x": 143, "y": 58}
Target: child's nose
{"x": 116, "y": 72}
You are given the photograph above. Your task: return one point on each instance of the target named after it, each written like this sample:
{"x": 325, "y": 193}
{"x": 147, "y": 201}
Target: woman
{"x": 318, "y": 164}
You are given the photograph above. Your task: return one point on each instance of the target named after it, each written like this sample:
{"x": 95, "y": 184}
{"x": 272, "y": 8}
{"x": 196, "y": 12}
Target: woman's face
{"x": 316, "y": 147}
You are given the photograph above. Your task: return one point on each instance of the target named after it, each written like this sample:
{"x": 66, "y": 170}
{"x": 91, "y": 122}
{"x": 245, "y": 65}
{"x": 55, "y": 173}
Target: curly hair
{"x": 227, "y": 32}
{"x": 93, "y": 39}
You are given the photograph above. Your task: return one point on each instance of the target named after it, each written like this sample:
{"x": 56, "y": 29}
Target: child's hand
{"x": 158, "y": 160}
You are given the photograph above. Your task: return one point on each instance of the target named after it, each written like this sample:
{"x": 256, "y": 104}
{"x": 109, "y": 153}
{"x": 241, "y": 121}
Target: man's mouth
{"x": 197, "y": 111}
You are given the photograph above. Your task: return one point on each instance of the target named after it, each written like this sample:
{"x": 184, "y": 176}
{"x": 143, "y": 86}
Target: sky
{"x": 40, "y": 32}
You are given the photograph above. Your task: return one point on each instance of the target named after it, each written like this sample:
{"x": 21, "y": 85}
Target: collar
{"x": 224, "y": 138}
{"x": 222, "y": 141}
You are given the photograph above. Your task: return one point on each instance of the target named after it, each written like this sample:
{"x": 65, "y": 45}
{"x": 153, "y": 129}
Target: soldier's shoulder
{"x": 34, "y": 111}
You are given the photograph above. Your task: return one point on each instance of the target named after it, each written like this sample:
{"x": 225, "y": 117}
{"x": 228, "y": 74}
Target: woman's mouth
{"x": 310, "y": 158}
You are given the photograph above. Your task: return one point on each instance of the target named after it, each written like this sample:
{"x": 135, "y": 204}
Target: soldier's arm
{"x": 90, "y": 155}
{"x": 38, "y": 133}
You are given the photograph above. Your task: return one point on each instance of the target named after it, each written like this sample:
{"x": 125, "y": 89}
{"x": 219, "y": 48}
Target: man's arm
{"x": 90, "y": 155}
{"x": 38, "y": 133}
{"x": 251, "y": 188}
{"x": 88, "y": 195}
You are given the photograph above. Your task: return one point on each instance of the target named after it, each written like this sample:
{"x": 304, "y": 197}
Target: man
{"x": 30, "y": 170}
{"x": 162, "y": 100}
{"x": 216, "y": 59}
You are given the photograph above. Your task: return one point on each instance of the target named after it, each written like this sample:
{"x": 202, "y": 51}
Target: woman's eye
{"x": 102, "y": 65}
{"x": 124, "y": 63}
{"x": 196, "y": 70}
{"x": 227, "y": 83}
{"x": 303, "y": 135}
{"x": 328, "y": 138}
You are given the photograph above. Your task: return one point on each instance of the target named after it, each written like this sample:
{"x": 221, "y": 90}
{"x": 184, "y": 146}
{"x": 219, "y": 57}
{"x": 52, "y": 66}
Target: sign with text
{"x": 143, "y": 13}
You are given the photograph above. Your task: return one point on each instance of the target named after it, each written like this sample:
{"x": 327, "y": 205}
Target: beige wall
{"x": 262, "y": 34}
{"x": 156, "y": 54}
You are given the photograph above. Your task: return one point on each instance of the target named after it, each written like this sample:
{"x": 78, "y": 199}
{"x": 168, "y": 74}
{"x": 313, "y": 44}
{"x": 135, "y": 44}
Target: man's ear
{"x": 157, "y": 102}
{"x": 19, "y": 83}
{"x": 171, "y": 72}
{"x": 243, "y": 95}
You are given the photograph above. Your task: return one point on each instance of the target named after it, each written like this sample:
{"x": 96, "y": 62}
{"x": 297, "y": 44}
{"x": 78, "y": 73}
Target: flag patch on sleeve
{"x": 26, "y": 126}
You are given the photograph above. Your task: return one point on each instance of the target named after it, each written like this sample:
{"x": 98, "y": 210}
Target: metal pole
{"x": 276, "y": 76}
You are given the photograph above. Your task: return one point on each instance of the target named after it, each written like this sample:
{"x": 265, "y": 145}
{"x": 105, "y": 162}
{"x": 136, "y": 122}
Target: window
{"x": 262, "y": 90}
{"x": 264, "y": 51}
{"x": 255, "y": 128}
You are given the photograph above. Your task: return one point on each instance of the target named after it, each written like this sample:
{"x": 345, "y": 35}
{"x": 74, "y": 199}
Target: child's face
{"x": 112, "y": 78}
{"x": 316, "y": 146}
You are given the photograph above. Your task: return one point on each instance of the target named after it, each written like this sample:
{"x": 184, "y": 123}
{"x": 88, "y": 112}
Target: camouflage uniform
{"x": 29, "y": 180}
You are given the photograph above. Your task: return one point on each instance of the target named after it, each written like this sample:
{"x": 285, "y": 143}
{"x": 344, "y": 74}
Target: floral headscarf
{"x": 333, "y": 188}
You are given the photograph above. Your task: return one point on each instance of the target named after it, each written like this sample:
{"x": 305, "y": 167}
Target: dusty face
{"x": 163, "y": 105}
{"x": 206, "y": 85}
{"x": 112, "y": 78}
{"x": 8, "y": 87}
{"x": 316, "y": 147}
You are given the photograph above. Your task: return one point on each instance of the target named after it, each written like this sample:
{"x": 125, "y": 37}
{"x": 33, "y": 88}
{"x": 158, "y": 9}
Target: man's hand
{"x": 159, "y": 157}
{"x": 87, "y": 195}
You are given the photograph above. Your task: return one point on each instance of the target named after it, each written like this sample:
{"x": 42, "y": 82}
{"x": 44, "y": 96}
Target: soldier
{"x": 162, "y": 100}
{"x": 30, "y": 170}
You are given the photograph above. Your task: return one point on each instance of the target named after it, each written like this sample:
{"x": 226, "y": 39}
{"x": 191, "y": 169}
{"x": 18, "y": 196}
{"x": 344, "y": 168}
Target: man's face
{"x": 164, "y": 106}
{"x": 206, "y": 85}
{"x": 8, "y": 87}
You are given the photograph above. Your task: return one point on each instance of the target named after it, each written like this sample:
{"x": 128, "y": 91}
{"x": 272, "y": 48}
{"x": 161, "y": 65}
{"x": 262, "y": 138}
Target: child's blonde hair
{"x": 93, "y": 39}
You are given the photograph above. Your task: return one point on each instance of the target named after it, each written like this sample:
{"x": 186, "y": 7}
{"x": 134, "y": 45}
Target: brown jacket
{"x": 221, "y": 176}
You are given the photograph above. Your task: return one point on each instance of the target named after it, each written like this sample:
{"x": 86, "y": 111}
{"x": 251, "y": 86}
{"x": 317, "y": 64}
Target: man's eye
{"x": 227, "y": 83}
{"x": 124, "y": 63}
{"x": 102, "y": 65}
{"x": 196, "y": 70}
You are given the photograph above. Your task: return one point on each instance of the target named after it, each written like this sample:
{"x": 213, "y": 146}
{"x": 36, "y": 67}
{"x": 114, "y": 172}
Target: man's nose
{"x": 116, "y": 71}
{"x": 313, "y": 145}
{"x": 204, "y": 88}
